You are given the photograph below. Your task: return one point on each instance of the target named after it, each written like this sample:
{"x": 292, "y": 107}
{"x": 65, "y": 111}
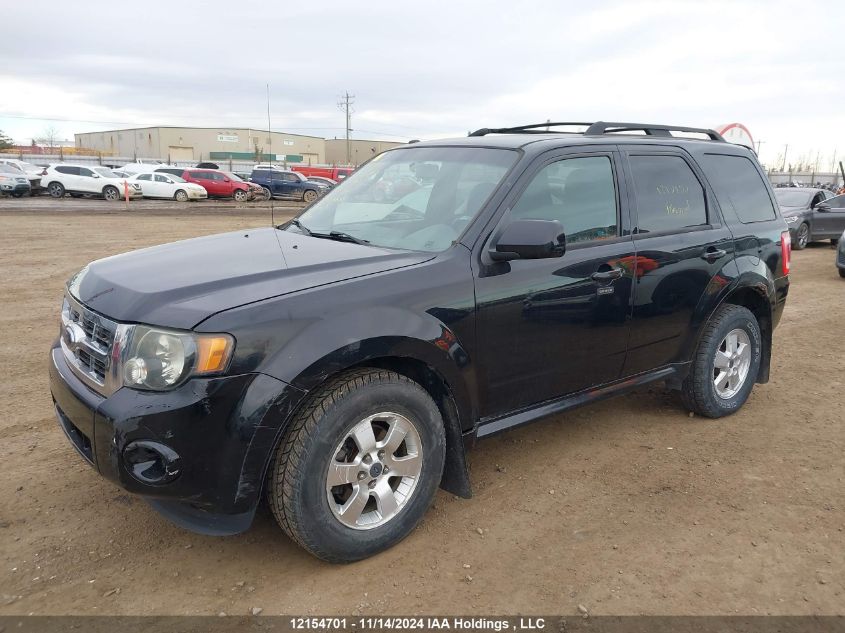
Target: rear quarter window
{"x": 669, "y": 195}
{"x": 739, "y": 187}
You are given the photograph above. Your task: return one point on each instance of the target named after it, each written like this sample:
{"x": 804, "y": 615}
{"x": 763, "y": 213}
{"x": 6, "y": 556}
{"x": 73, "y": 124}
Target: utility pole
{"x": 345, "y": 104}
{"x": 785, "y": 150}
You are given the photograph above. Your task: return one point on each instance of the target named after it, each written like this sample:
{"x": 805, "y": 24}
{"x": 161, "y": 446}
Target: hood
{"x": 182, "y": 283}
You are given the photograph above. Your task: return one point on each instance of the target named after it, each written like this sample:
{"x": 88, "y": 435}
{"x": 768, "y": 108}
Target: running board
{"x": 553, "y": 407}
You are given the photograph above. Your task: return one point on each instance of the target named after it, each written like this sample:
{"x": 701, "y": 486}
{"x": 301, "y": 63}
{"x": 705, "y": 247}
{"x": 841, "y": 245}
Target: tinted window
{"x": 145, "y": 177}
{"x": 669, "y": 196}
{"x": 579, "y": 192}
{"x": 290, "y": 178}
{"x": 160, "y": 178}
{"x": 84, "y": 171}
{"x": 837, "y": 202}
{"x": 67, "y": 169}
{"x": 738, "y": 186}
{"x": 792, "y": 197}
{"x": 202, "y": 175}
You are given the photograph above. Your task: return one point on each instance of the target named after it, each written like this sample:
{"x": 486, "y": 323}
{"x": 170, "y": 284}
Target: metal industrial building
{"x": 195, "y": 144}
{"x": 360, "y": 151}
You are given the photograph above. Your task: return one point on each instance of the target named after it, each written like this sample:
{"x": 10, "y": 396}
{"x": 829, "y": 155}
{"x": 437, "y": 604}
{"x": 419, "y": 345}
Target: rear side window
{"x": 738, "y": 186}
{"x": 66, "y": 169}
{"x": 669, "y": 196}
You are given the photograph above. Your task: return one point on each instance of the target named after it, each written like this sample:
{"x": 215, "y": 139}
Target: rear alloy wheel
{"x": 358, "y": 466}
{"x": 239, "y": 195}
{"x": 267, "y": 193}
{"x": 111, "y": 193}
{"x": 181, "y": 196}
{"x": 309, "y": 196}
{"x": 726, "y": 363}
{"x": 802, "y": 237}
{"x": 56, "y": 190}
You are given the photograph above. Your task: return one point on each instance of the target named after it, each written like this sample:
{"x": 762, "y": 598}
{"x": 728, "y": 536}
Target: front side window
{"x": 738, "y": 186}
{"x": 84, "y": 171}
{"x": 160, "y": 178}
{"x": 837, "y": 202}
{"x": 578, "y": 192}
{"x": 669, "y": 196}
{"x": 437, "y": 194}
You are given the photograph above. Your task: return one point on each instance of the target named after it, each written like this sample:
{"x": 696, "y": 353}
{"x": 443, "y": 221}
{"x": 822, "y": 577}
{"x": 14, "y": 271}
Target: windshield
{"x": 176, "y": 178}
{"x": 413, "y": 199}
{"x": 105, "y": 173}
{"x": 10, "y": 169}
{"x": 232, "y": 176}
{"x": 793, "y": 197}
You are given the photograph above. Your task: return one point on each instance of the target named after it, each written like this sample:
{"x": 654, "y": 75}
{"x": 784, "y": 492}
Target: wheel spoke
{"x": 730, "y": 343}
{"x": 395, "y": 435}
{"x": 364, "y": 437}
{"x": 409, "y": 466}
{"x": 742, "y": 350}
{"x": 340, "y": 474}
{"x": 721, "y": 380}
{"x": 385, "y": 499}
{"x": 354, "y": 506}
{"x": 722, "y": 360}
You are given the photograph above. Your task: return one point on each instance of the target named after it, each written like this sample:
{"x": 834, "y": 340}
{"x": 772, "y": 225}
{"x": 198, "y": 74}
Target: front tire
{"x": 802, "y": 237}
{"x": 239, "y": 195}
{"x": 359, "y": 465}
{"x": 842, "y": 272}
{"x": 56, "y": 190}
{"x": 181, "y": 196}
{"x": 725, "y": 365}
{"x": 309, "y": 196}
{"x": 111, "y": 194}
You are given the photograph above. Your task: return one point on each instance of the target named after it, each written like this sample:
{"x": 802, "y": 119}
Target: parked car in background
{"x": 161, "y": 185}
{"x": 809, "y": 214}
{"x": 329, "y": 171}
{"x": 289, "y": 185}
{"x": 143, "y": 165}
{"x": 840, "y": 255}
{"x": 13, "y": 181}
{"x": 217, "y": 183}
{"x": 32, "y": 171}
{"x": 79, "y": 180}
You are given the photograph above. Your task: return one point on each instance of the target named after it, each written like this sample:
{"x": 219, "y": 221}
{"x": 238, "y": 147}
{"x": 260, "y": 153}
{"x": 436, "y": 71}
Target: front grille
{"x": 88, "y": 341}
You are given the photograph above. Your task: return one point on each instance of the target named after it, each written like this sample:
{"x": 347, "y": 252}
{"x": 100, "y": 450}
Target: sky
{"x": 429, "y": 69}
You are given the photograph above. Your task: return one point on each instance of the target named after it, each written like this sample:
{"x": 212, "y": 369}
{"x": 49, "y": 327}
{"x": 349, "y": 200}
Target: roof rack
{"x": 602, "y": 127}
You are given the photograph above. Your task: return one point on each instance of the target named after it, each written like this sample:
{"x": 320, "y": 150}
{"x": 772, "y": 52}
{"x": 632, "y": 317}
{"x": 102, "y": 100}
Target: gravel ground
{"x": 629, "y": 506}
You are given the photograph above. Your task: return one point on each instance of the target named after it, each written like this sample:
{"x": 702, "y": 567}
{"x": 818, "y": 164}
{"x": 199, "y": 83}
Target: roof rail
{"x": 600, "y": 127}
{"x": 604, "y": 127}
{"x": 527, "y": 129}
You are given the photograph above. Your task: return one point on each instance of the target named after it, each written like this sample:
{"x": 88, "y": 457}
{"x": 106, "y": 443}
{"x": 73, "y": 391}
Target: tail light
{"x": 785, "y": 251}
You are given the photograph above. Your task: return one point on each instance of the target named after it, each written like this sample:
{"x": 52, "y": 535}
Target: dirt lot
{"x": 626, "y": 507}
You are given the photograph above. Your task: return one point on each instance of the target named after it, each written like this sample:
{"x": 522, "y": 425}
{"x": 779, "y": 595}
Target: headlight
{"x": 163, "y": 359}
{"x": 791, "y": 219}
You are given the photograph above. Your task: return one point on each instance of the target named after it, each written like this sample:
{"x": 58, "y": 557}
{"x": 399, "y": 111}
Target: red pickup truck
{"x": 327, "y": 171}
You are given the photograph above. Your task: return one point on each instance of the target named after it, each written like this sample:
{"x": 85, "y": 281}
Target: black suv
{"x": 341, "y": 363}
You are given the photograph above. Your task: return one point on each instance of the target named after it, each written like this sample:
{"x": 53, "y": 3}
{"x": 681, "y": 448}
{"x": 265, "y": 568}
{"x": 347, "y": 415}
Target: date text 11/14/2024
{"x": 418, "y": 623}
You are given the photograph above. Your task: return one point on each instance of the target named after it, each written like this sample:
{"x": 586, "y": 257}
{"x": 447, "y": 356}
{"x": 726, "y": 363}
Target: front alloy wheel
{"x": 803, "y": 237}
{"x": 358, "y": 466}
{"x": 239, "y": 195}
{"x": 374, "y": 471}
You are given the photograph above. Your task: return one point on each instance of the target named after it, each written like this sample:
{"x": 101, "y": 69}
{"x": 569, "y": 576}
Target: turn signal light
{"x": 785, "y": 251}
{"x": 213, "y": 353}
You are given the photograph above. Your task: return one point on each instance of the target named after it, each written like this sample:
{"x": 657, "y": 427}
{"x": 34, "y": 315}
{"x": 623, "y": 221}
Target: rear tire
{"x": 267, "y": 193}
{"x": 802, "y": 237}
{"x": 239, "y": 195}
{"x": 181, "y": 196}
{"x": 721, "y": 378}
{"x": 842, "y": 272}
{"x": 56, "y": 190}
{"x": 397, "y": 429}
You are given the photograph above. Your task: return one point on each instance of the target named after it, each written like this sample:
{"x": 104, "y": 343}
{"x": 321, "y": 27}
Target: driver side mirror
{"x": 225, "y": 179}
{"x": 96, "y": 176}
{"x": 530, "y": 239}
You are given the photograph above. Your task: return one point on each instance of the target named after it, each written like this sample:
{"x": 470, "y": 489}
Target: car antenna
{"x": 270, "y": 146}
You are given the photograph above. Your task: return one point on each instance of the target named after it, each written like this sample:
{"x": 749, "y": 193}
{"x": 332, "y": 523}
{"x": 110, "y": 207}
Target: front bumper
{"x": 197, "y": 195}
{"x": 198, "y": 453}
{"x": 16, "y": 189}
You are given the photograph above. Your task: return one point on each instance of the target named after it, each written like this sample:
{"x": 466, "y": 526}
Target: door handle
{"x": 712, "y": 254}
{"x": 607, "y": 275}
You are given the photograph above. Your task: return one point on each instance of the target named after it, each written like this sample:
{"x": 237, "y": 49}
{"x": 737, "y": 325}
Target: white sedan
{"x": 160, "y": 185}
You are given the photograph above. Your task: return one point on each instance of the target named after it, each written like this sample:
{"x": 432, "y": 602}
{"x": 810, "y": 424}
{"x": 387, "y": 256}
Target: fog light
{"x": 151, "y": 462}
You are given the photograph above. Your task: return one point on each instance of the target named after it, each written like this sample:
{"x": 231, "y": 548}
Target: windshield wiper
{"x": 300, "y": 226}
{"x": 340, "y": 236}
